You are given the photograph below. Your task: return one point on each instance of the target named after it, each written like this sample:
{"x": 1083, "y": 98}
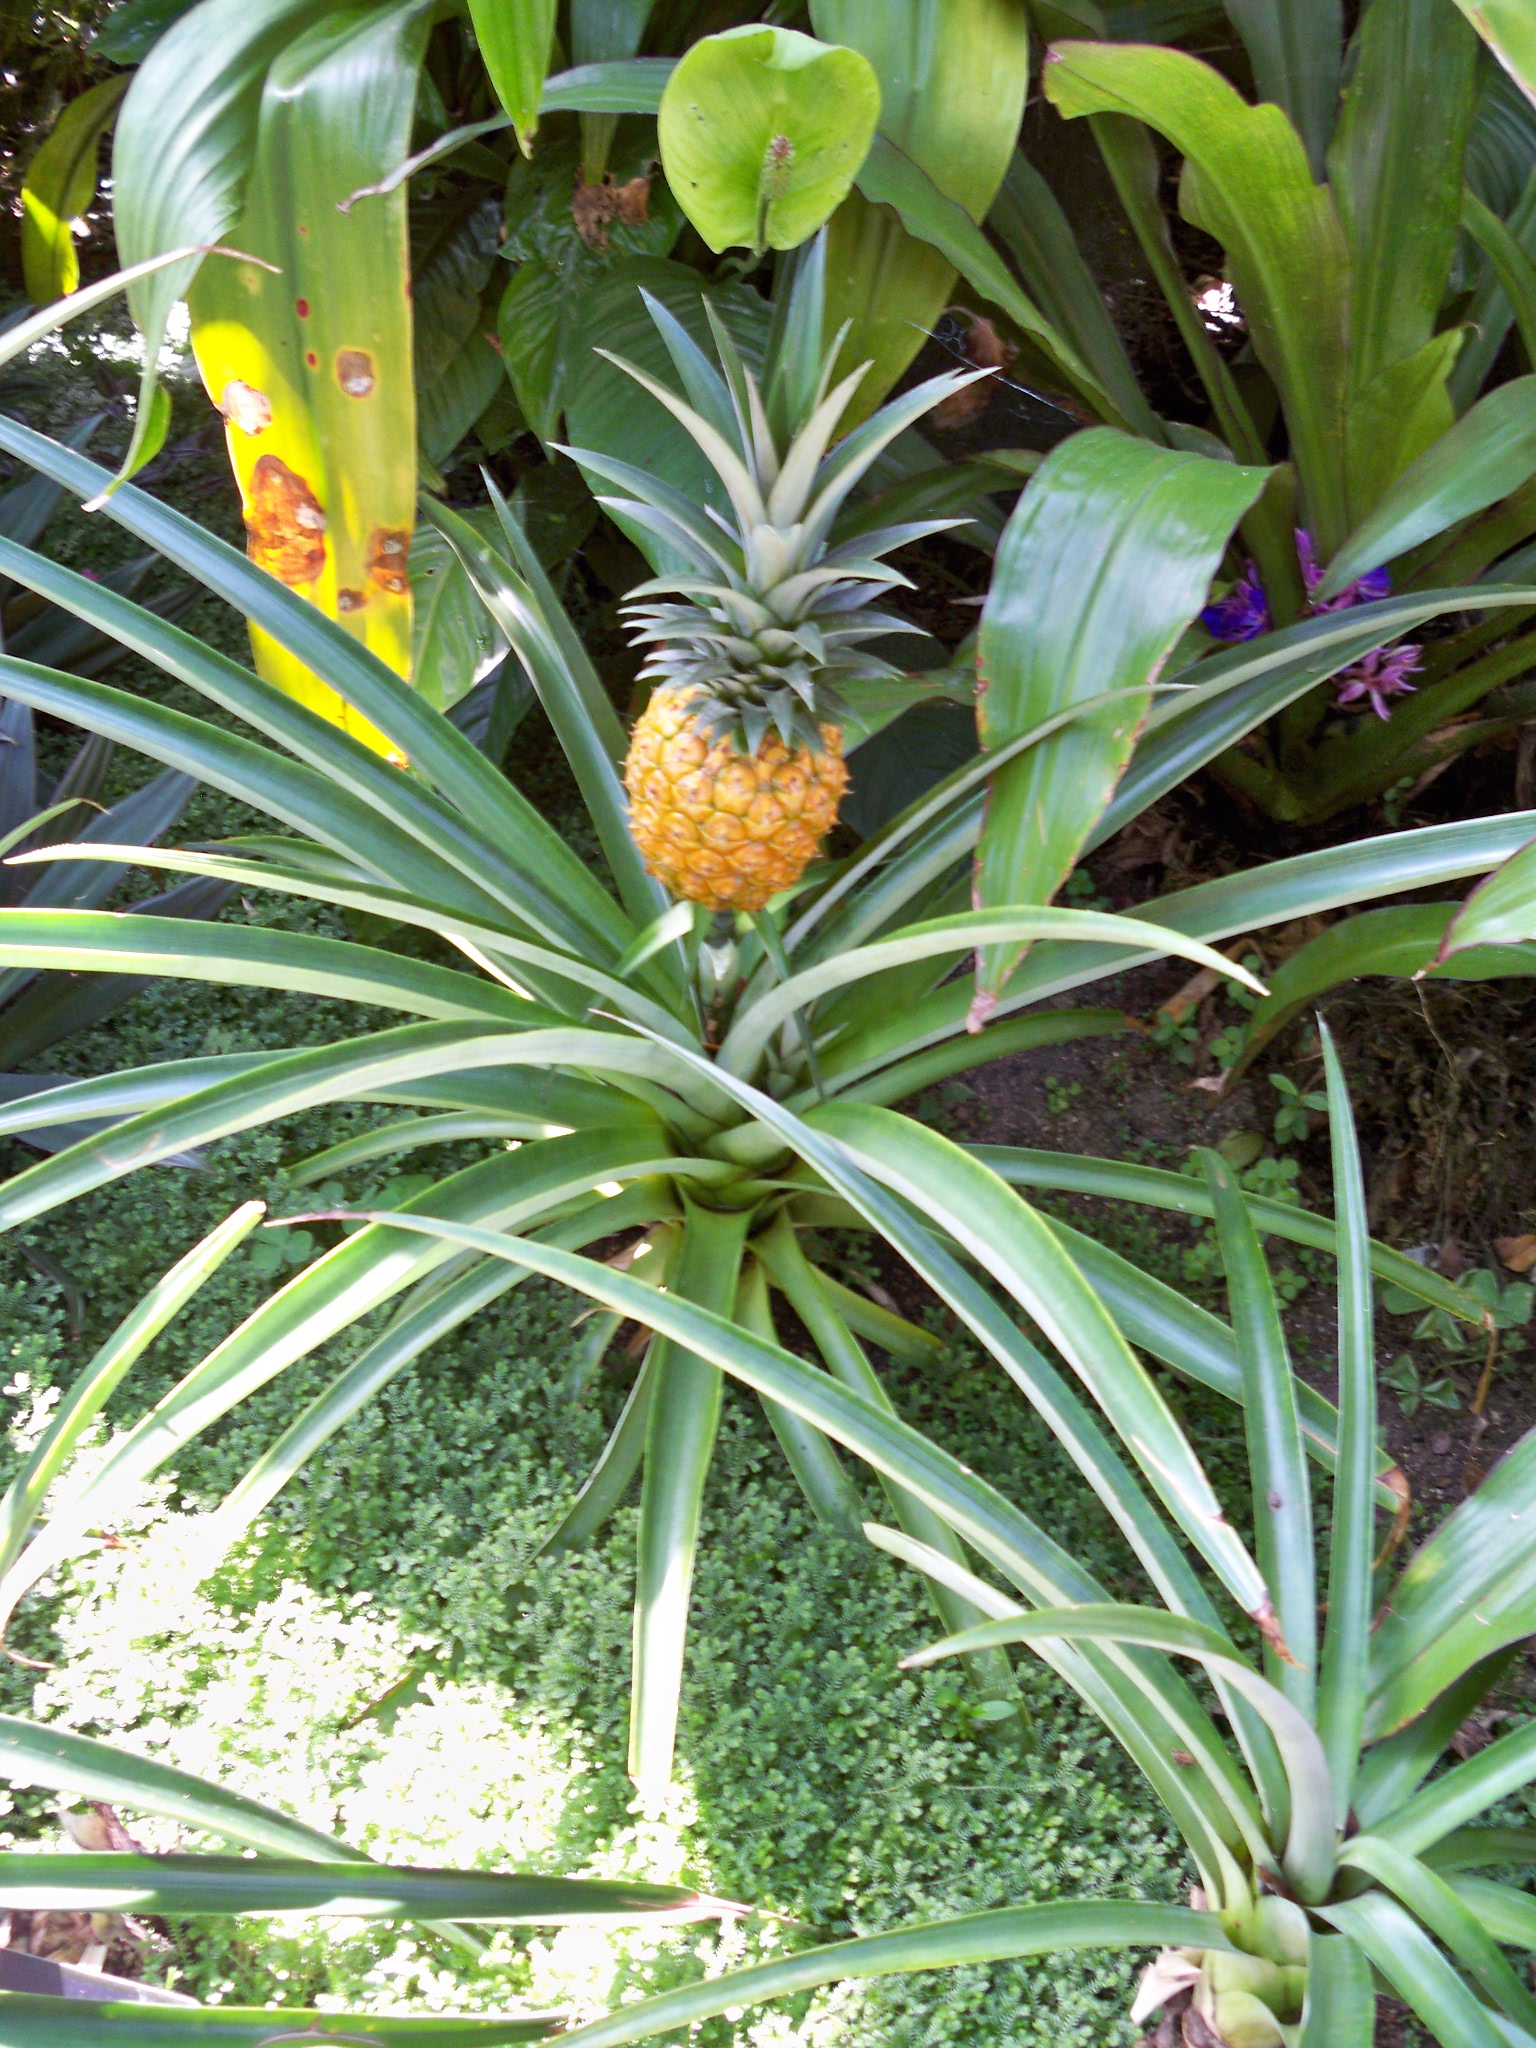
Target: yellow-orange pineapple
{"x": 735, "y": 769}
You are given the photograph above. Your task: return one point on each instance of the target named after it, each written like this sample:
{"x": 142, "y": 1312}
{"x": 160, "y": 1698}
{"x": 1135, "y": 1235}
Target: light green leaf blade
{"x": 1107, "y": 557}
{"x": 1246, "y": 181}
{"x": 1340, "y": 2011}
{"x": 515, "y": 39}
{"x": 1489, "y": 452}
{"x": 59, "y": 186}
{"x": 762, "y": 131}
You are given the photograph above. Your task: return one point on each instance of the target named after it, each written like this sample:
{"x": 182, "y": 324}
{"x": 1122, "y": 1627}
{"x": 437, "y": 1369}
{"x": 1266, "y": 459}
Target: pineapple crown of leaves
{"x": 774, "y": 608}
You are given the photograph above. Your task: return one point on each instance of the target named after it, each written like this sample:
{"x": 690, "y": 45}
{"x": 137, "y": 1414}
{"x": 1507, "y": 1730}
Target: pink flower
{"x": 1382, "y": 674}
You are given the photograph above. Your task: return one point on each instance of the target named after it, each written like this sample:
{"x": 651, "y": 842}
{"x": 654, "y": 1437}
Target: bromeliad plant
{"x": 610, "y": 1033}
{"x": 710, "y": 1095}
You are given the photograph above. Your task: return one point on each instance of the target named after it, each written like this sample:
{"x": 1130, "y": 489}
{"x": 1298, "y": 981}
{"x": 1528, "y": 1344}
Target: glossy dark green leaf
{"x": 1106, "y": 559}
{"x": 1295, "y": 48}
{"x": 1247, "y": 181}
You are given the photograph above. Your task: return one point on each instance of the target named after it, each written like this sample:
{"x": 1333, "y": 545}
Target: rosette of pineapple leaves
{"x": 576, "y": 1012}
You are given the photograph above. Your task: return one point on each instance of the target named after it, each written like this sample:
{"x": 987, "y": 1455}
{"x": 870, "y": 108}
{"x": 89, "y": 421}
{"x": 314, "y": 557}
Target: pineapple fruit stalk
{"x": 735, "y": 769}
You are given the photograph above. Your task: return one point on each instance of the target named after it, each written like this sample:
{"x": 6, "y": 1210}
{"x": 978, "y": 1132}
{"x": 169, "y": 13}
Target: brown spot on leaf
{"x": 354, "y": 372}
{"x": 301, "y": 307}
{"x": 284, "y": 524}
{"x": 351, "y": 600}
{"x": 389, "y": 559}
{"x": 594, "y": 207}
{"x": 245, "y": 407}
{"x": 311, "y": 359}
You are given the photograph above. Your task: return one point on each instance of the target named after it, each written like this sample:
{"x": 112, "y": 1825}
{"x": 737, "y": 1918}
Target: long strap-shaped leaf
{"x": 1016, "y": 1246}
{"x": 680, "y": 1437}
{"x": 397, "y": 906}
{"x": 1341, "y": 1999}
{"x": 1122, "y": 1181}
{"x": 1447, "y": 1916}
{"x": 338, "y": 1288}
{"x": 750, "y": 1033}
{"x": 1302, "y": 886}
{"x": 463, "y": 775}
{"x": 1449, "y": 1802}
{"x": 1309, "y": 1849}
{"x": 418, "y": 1326}
{"x": 1201, "y": 712}
{"x": 234, "y": 1884}
{"x": 1346, "y": 1640}
{"x": 339, "y": 790}
{"x": 1417, "y": 1971}
{"x": 86, "y": 1398}
{"x": 1277, "y": 1459}
{"x": 991, "y": 1524}
{"x": 570, "y": 692}
{"x": 41, "y": 1754}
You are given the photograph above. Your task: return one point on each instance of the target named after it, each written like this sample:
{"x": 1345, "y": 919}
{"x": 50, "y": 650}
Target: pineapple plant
{"x": 735, "y": 768}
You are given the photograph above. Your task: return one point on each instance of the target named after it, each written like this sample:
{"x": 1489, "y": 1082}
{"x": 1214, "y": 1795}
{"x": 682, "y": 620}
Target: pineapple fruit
{"x": 735, "y": 769}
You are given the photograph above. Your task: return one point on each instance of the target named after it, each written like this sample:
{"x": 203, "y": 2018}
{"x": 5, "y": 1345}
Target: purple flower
{"x": 1243, "y": 613}
{"x": 1364, "y": 590}
{"x": 1382, "y": 674}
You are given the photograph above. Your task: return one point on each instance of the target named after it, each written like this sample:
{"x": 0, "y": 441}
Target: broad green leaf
{"x": 890, "y": 178}
{"x": 185, "y": 141}
{"x": 604, "y": 31}
{"x": 515, "y": 39}
{"x": 1276, "y": 1458}
{"x": 1246, "y": 181}
{"x": 1467, "y": 1592}
{"x": 1489, "y": 452}
{"x": 1106, "y": 559}
{"x": 85, "y": 1399}
{"x": 954, "y": 75}
{"x": 1309, "y": 1850}
{"x": 59, "y": 186}
{"x": 762, "y": 130}
{"x": 1506, "y": 27}
{"x": 1130, "y": 156}
{"x": 1295, "y": 47}
{"x": 308, "y": 355}
{"x": 1499, "y": 912}
{"x": 1395, "y": 168}
{"x": 1340, "y": 2011}
{"x": 232, "y": 1884}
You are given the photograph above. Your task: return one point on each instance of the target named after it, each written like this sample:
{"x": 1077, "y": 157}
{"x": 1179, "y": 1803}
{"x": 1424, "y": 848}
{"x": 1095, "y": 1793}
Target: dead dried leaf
{"x": 1517, "y": 1253}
